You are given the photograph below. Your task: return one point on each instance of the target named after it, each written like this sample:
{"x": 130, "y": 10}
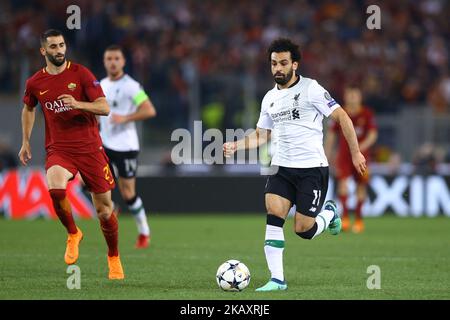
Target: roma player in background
{"x": 366, "y": 130}
{"x": 70, "y": 98}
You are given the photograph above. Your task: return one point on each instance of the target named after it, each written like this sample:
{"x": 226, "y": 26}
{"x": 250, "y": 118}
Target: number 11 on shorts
{"x": 317, "y": 195}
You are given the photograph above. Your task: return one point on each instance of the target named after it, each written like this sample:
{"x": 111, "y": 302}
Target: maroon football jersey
{"x": 66, "y": 129}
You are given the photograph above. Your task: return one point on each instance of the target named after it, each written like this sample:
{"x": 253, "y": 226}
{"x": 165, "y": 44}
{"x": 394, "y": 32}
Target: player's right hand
{"x": 25, "y": 153}
{"x": 359, "y": 162}
{"x": 229, "y": 148}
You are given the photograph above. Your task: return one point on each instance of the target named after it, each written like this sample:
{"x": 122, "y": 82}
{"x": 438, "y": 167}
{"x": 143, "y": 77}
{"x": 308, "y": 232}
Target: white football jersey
{"x": 295, "y": 117}
{"x": 124, "y": 96}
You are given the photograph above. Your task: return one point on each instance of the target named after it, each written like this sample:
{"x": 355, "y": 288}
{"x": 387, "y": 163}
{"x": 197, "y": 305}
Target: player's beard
{"x": 54, "y": 61}
{"x": 283, "y": 80}
{"x": 114, "y": 74}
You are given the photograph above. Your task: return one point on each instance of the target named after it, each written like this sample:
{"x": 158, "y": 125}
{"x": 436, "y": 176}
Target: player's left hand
{"x": 359, "y": 162}
{"x": 68, "y": 101}
{"x": 118, "y": 119}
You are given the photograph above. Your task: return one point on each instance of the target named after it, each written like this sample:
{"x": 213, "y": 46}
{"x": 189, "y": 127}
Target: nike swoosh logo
{"x": 42, "y": 92}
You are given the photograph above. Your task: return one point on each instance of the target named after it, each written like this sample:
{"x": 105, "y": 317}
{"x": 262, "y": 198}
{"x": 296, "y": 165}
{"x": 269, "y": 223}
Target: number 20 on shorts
{"x": 108, "y": 175}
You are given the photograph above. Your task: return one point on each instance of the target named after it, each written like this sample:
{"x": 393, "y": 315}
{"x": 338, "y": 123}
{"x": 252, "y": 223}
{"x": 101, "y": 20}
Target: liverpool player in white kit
{"x": 291, "y": 115}
{"x": 129, "y": 103}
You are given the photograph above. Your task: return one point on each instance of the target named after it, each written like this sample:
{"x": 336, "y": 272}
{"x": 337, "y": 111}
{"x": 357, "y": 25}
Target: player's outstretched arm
{"x": 340, "y": 116}
{"x": 28, "y": 116}
{"x": 253, "y": 140}
{"x": 145, "y": 110}
{"x": 99, "y": 106}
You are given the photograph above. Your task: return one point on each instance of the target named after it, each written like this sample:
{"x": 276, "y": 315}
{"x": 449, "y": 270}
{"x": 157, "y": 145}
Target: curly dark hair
{"x": 284, "y": 45}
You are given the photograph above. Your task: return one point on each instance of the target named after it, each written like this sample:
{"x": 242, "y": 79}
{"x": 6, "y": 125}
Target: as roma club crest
{"x": 72, "y": 86}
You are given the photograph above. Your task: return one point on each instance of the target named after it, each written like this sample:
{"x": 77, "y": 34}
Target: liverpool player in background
{"x": 70, "y": 98}
{"x": 129, "y": 103}
{"x": 366, "y": 130}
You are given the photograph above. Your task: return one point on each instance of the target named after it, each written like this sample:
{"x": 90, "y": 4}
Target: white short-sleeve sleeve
{"x": 265, "y": 121}
{"x": 321, "y": 99}
{"x": 133, "y": 88}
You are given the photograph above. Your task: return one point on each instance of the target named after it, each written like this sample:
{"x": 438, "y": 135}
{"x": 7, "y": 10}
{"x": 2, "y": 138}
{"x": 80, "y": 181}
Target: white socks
{"x": 273, "y": 248}
{"x": 138, "y": 211}
{"x": 323, "y": 220}
{"x": 274, "y": 244}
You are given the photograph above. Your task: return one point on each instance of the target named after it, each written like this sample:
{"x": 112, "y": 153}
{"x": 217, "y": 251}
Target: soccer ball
{"x": 233, "y": 275}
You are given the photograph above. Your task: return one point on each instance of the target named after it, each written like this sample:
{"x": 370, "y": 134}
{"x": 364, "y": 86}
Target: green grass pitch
{"x": 412, "y": 253}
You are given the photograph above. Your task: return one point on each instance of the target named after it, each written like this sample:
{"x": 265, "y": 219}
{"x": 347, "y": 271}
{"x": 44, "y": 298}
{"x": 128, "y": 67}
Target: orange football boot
{"x": 358, "y": 227}
{"x": 115, "y": 268}
{"x": 345, "y": 224}
{"x": 142, "y": 241}
{"x": 73, "y": 241}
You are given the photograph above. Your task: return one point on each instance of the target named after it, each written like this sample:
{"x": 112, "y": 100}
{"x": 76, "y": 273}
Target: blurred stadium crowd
{"x": 171, "y": 43}
{"x": 407, "y": 61}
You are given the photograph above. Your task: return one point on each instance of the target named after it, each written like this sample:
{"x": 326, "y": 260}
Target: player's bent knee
{"x": 104, "y": 215}
{"x": 342, "y": 191}
{"x": 104, "y": 211}
{"x": 303, "y": 222}
{"x": 342, "y": 188}
{"x": 128, "y": 196}
{"x": 56, "y": 182}
{"x": 309, "y": 234}
{"x": 275, "y": 210}
{"x": 57, "y": 177}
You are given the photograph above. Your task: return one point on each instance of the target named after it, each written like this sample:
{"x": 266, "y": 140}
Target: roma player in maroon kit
{"x": 366, "y": 130}
{"x": 70, "y": 98}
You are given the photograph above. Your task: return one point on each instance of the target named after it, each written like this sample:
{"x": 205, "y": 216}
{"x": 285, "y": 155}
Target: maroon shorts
{"x": 346, "y": 169}
{"x": 93, "y": 168}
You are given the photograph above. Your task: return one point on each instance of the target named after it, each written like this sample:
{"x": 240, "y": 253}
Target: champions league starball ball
{"x": 233, "y": 275}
